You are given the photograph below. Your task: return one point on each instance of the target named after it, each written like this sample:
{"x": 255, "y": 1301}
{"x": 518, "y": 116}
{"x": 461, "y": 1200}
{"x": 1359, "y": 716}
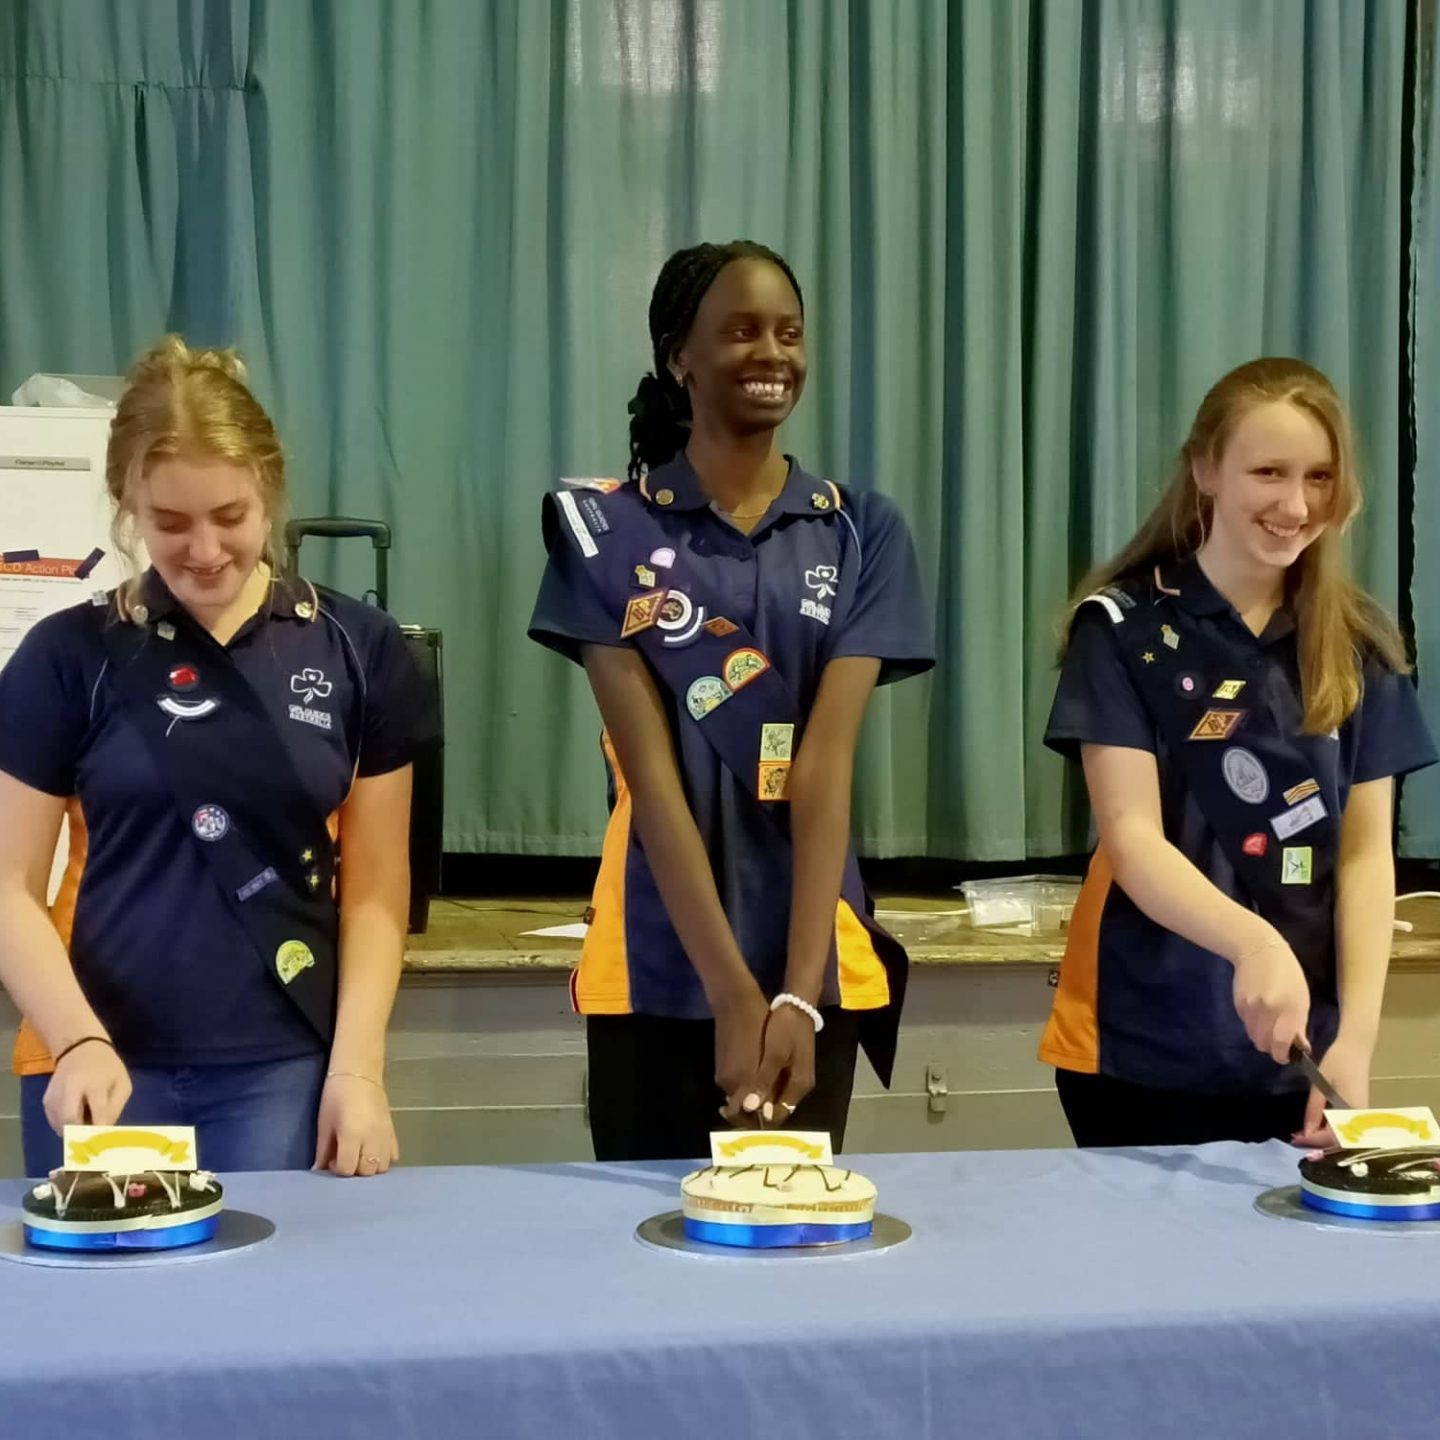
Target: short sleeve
{"x": 44, "y": 705}
{"x": 568, "y": 610}
{"x": 1391, "y": 735}
{"x": 402, "y": 712}
{"x": 887, "y": 617}
{"x": 1096, "y": 702}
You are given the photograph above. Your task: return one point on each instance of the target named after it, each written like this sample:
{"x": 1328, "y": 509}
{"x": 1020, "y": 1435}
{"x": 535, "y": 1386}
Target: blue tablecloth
{"x": 1044, "y": 1294}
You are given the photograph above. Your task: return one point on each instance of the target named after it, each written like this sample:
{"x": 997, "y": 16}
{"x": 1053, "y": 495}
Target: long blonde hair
{"x": 1338, "y": 625}
{"x": 183, "y": 401}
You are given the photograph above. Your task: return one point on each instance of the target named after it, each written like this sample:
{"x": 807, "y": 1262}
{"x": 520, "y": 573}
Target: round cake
{"x": 767, "y": 1206}
{"x": 1402, "y": 1184}
{"x": 150, "y": 1210}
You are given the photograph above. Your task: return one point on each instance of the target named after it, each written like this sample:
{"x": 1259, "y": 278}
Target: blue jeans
{"x": 246, "y": 1117}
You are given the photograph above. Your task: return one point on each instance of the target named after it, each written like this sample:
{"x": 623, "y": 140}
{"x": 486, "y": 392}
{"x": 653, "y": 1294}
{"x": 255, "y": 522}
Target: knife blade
{"x": 1306, "y": 1061}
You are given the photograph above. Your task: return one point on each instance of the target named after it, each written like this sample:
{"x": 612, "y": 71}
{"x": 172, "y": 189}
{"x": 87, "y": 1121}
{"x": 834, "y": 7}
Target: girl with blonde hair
{"x": 220, "y": 734}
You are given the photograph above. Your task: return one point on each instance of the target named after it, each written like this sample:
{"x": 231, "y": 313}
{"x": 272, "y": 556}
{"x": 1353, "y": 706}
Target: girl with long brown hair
{"x": 1241, "y": 708}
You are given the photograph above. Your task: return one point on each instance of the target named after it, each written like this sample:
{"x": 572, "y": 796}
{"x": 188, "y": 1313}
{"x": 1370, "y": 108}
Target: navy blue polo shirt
{"x": 154, "y": 943}
{"x": 828, "y": 572}
{"x": 1135, "y": 1000}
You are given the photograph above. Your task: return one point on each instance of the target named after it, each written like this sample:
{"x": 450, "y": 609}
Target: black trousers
{"x": 652, "y": 1085}
{"x": 1106, "y": 1112}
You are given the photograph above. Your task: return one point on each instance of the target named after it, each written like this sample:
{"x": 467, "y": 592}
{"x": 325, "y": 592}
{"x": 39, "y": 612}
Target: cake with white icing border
{"x": 1393, "y": 1184}
{"x": 767, "y": 1206}
{"x": 147, "y": 1210}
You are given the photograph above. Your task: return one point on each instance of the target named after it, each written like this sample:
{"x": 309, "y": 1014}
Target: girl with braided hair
{"x": 733, "y": 614}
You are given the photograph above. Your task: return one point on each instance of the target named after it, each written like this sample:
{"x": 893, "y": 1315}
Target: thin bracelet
{"x": 805, "y": 1006}
{"x": 84, "y": 1040}
{"x": 353, "y": 1075}
{"x": 1270, "y": 944}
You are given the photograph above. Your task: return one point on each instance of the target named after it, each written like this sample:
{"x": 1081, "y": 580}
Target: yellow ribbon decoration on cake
{"x": 1354, "y": 1132}
{"x": 83, "y": 1152}
{"x": 770, "y": 1141}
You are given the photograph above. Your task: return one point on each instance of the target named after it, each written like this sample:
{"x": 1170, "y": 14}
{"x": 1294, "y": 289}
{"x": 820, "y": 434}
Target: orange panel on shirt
{"x": 1071, "y": 1040}
{"x": 30, "y": 1055}
{"x": 864, "y": 985}
{"x": 601, "y": 986}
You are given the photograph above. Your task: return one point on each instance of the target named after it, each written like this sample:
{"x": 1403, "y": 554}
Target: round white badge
{"x": 210, "y": 822}
{"x": 676, "y": 612}
{"x": 1245, "y": 775}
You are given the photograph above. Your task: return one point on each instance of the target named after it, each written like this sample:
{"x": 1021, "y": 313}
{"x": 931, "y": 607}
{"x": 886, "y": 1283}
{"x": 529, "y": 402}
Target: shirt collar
{"x": 1187, "y": 583}
{"x": 289, "y": 599}
{"x": 676, "y": 486}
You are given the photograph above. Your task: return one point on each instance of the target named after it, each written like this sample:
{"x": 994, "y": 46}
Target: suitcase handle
{"x": 343, "y": 527}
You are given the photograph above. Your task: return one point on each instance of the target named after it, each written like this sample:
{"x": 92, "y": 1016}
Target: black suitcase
{"x": 427, "y": 804}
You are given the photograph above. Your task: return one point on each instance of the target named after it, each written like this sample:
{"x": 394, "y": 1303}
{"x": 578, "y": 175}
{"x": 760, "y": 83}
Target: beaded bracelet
{"x": 803, "y": 1005}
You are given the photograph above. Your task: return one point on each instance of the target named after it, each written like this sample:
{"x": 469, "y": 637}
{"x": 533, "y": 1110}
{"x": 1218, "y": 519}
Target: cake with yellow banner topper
{"x": 1387, "y": 1166}
{"x": 773, "y": 1189}
{"x": 124, "y": 1188}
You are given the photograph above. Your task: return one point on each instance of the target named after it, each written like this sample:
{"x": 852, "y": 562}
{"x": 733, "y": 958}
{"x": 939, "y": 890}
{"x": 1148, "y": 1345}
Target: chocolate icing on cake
{"x": 81, "y": 1197}
{"x": 1400, "y": 1185}
{"x": 1413, "y": 1171}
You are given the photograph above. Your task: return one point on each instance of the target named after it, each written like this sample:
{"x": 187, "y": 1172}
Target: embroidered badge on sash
{"x": 183, "y": 678}
{"x": 1296, "y": 865}
{"x": 742, "y": 666}
{"x": 663, "y": 558}
{"x": 1303, "y": 791}
{"x": 1188, "y": 684}
{"x": 1256, "y": 845}
{"x": 1148, "y": 657}
{"x": 1228, "y": 690}
{"x": 291, "y": 958}
{"x": 680, "y": 618}
{"x": 641, "y": 613}
{"x": 721, "y": 627}
{"x": 645, "y": 576}
{"x": 1217, "y": 724}
{"x": 774, "y": 780}
{"x": 1170, "y": 637}
{"x": 1245, "y": 776}
{"x": 705, "y": 694}
{"x": 1300, "y": 817}
{"x": 777, "y": 742}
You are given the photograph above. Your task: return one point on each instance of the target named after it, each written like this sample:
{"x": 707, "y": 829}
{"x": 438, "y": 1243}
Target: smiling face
{"x": 744, "y": 358}
{"x": 1272, "y": 488}
{"x": 205, "y": 526}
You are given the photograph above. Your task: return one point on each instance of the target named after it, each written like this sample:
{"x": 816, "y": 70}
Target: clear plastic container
{"x": 919, "y": 927}
{"x": 1025, "y": 904}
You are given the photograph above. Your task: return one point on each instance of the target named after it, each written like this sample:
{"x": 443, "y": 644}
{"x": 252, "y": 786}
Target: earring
{"x": 678, "y": 376}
